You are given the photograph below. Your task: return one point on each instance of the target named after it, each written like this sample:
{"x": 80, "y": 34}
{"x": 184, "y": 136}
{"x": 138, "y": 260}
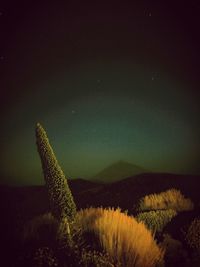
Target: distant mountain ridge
{"x": 33, "y": 200}
{"x": 117, "y": 171}
{"x": 127, "y": 192}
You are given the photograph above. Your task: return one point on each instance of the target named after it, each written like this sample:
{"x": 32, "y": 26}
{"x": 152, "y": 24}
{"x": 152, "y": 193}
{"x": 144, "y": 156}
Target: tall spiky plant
{"x": 60, "y": 197}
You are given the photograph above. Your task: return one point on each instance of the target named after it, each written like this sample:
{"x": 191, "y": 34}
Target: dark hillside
{"x": 20, "y": 204}
{"x": 127, "y": 192}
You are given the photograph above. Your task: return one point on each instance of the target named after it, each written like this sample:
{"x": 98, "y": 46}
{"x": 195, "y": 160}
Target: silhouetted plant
{"x": 41, "y": 256}
{"x": 41, "y": 230}
{"x": 156, "y": 220}
{"x": 44, "y": 257}
{"x": 175, "y": 254}
{"x": 96, "y": 259}
{"x": 170, "y": 199}
{"x": 193, "y": 234}
{"x": 60, "y": 197}
{"x": 47, "y": 231}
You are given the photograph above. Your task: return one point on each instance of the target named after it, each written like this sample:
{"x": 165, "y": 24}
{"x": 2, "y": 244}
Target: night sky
{"x": 108, "y": 82}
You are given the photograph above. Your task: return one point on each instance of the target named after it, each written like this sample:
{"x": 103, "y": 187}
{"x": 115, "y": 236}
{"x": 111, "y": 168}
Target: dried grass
{"x": 170, "y": 199}
{"x": 128, "y": 242}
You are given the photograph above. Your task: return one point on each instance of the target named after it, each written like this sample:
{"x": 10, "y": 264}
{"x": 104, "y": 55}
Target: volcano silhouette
{"x": 118, "y": 171}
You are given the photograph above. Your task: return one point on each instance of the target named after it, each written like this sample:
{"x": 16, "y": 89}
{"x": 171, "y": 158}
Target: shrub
{"x": 95, "y": 258}
{"x": 156, "y": 220}
{"x": 44, "y": 256}
{"x": 60, "y": 197}
{"x": 39, "y": 257}
{"x": 128, "y": 242}
{"x": 46, "y": 230}
{"x": 170, "y": 199}
{"x": 42, "y": 229}
{"x": 193, "y": 234}
{"x": 175, "y": 255}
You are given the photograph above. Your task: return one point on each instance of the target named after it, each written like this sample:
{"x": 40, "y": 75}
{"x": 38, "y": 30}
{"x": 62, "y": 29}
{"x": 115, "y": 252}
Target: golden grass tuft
{"x": 127, "y": 241}
{"x": 170, "y": 199}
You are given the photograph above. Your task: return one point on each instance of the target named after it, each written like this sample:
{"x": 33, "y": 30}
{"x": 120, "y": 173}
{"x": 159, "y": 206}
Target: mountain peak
{"x": 117, "y": 171}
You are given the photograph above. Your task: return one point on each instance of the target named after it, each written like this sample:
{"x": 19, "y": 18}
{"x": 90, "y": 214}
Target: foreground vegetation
{"x": 105, "y": 237}
{"x": 128, "y": 242}
{"x": 170, "y": 199}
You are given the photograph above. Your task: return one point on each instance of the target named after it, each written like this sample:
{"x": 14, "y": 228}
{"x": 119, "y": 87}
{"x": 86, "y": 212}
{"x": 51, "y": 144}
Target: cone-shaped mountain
{"x": 117, "y": 171}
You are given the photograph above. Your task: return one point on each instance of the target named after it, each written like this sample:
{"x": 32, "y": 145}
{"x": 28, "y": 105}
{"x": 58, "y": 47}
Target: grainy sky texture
{"x": 108, "y": 82}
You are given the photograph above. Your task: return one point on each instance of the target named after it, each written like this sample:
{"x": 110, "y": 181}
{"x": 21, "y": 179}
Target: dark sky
{"x": 108, "y": 82}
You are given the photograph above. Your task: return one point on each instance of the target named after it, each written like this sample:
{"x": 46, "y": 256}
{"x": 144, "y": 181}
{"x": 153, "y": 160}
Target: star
{"x": 73, "y": 112}
{"x": 154, "y": 75}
